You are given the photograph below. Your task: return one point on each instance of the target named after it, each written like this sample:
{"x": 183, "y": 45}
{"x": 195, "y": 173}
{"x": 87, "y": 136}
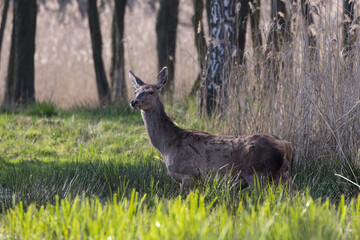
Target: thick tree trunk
{"x": 119, "y": 92}
{"x": 3, "y": 22}
{"x": 96, "y": 43}
{"x": 200, "y": 41}
{"x": 166, "y": 26}
{"x": 20, "y": 80}
{"x": 219, "y": 57}
{"x": 25, "y": 51}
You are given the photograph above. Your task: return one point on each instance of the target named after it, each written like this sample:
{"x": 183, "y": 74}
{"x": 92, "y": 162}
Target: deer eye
{"x": 151, "y": 92}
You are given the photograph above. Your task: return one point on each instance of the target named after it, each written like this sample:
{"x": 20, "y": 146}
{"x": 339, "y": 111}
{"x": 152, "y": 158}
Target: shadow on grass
{"x": 40, "y": 182}
{"x": 320, "y": 179}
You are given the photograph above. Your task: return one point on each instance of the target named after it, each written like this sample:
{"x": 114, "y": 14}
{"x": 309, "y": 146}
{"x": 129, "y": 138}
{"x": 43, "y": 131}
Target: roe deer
{"x": 190, "y": 154}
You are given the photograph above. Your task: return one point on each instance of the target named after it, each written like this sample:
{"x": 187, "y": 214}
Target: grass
{"x": 92, "y": 174}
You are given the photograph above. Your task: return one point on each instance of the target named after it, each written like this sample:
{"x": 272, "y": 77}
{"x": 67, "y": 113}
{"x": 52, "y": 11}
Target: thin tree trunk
{"x": 242, "y": 16}
{"x": 208, "y": 13}
{"x": 248, "y": 9}
{"x": 96, "y": 43}
{"x": 200, "y": 41}
{"x": 3, "y": 22}
{"x": 311, "y": 39}
{"x": 10, "y": 77}
{"x": 349, "y": 37}
{"x": 279, "y": 36}
{"x": 255, "y": 21}
{"x": 280, "y": 33}
{"x": 219, "y": 56}
{"x": 256, "y": 35}
{"x": 166, "y": 26}
{"x": 119, "y": 92}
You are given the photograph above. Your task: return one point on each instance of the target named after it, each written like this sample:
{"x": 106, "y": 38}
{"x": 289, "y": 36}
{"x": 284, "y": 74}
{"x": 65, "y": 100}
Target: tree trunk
{"x": 255, "y": 21}
{"x": 310, "y": 44}
{"x": 349, "y": 37}
{"x": 3, "y": 22}
{"x": 10, "y": 78}
{"x": 256, "y": 35}
{"x": 200, "y": 41}
{"x": 242, "y": 17}
{"x": 280, "y": 32}
{"x": 219, "y": 56}
{"x": 279, "y": 35}
{"x": 166, "y": 25}
{"x": 96, "y": 43}
{"x": 244, "y": 12}
{"x": 119, "y": 92}
{"x": 20, "y": 80}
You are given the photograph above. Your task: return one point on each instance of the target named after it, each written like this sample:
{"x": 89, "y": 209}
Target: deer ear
{"x": 162, "y": 78}
{"x": 136, "y": 82}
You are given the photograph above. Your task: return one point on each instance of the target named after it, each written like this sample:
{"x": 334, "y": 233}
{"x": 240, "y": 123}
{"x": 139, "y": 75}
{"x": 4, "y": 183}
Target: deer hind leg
{"x": 250, "y": 180}
{"x": 253, "y": 179}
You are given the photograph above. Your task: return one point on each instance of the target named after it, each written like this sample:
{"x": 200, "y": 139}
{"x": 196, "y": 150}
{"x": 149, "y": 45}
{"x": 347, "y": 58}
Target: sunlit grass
{"x": 267, "y": 215}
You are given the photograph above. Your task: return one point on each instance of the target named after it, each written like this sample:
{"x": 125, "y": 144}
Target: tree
{"x": 166, "y": 26}
{"x": 19, "y": 87}
{"x": 244, "y": 7}
{"x": 117, "y": 61}
{"x": 349, "y": 36}
{"x": 200, "y": 41}
{"x": 280, "y": 33}
{"x": 3, "y": 21}
{"x": 219, "y": 56}
{"x": 96, "y": 43}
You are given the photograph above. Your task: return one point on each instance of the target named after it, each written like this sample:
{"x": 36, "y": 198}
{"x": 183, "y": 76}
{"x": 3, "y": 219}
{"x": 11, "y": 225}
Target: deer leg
{"x": 249, "y": 180}
{"x": 186, "y": 181}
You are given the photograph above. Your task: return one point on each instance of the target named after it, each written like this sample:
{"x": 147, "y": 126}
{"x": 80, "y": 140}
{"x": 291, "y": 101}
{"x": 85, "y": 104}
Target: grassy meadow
{"x": 92, "y": 174}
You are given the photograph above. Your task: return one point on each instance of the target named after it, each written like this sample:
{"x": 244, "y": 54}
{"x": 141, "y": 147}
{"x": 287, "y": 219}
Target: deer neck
{"x": 159, "y": 126}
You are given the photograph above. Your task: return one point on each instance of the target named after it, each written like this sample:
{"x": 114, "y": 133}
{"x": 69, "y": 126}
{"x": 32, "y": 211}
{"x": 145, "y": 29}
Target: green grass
{"x": 92, "y": 174}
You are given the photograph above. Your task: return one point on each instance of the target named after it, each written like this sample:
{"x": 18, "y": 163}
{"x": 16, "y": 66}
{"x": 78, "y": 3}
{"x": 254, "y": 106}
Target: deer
{"x": 191, "y": 155}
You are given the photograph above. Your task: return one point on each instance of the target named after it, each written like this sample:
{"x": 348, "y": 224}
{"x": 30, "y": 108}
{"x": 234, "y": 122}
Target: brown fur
{"x": 190, "y": 154}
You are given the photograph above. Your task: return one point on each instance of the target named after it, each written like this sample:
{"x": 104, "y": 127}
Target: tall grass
{"x": 307, "y": 91}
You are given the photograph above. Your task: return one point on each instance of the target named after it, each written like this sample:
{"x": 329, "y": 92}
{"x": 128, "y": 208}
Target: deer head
{"x": 147, "y": 94}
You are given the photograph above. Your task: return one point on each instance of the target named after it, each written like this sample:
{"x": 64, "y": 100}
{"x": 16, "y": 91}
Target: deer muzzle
{"x": 133, "y": 103}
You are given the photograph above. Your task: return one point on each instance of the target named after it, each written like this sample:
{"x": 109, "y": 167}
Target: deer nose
{"x": 133, "y": 102}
